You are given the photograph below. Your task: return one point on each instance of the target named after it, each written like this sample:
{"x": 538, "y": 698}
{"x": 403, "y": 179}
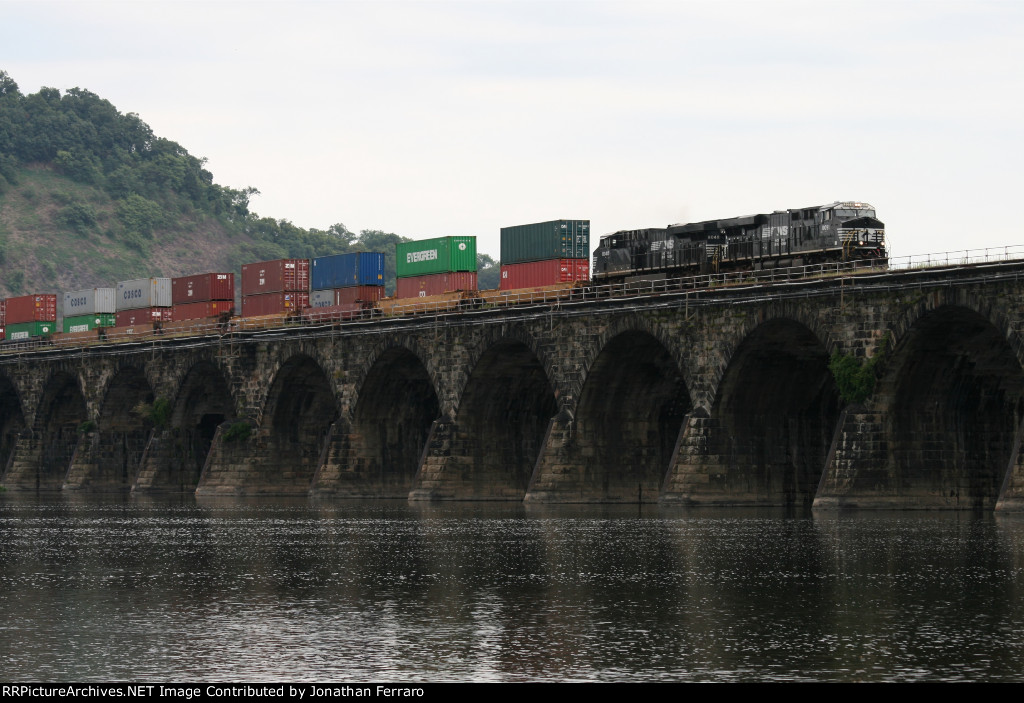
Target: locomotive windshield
{"x": 848, "y": 214}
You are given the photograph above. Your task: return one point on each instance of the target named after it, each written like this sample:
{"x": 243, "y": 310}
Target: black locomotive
{"x": 842, "y": 231}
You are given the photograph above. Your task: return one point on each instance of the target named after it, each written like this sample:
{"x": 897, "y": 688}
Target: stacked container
{"x": 143, "y": 300}
{"x": 545, "y": 253}
{"x": 30, "y": 316}
{"x": 205, "y": 295}
{"x": 85, "y": 310}
{"x": 345, "y": 279}
{"x": 435, "y": 266}
{"x": 275, "y": 287}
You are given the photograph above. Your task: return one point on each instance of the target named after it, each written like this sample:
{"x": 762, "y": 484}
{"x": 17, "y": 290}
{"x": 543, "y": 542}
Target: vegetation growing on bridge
{"x": 158, "y": 412}
{"x": 238, "y": 432}
{"x": 855, "y": 378}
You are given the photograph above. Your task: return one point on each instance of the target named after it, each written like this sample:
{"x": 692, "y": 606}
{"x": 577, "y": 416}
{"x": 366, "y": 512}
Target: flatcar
{"x": 840, "y": 231}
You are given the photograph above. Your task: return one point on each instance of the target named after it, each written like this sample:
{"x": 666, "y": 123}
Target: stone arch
{"x": 300, "y": 408}
{"x": 59, "y": 416}
{"x": 122, "y": 431}
{"x": 637, "y": 324}
{"x": 203, "y": 402}
{"x": 510, "y": 335}
{"x": 741, "y": 330}
{"x": 12, "y": 421}
{"x": 952, "y": 397}
{"x": 628, "y": 418}
{"x": 402, "y": 345}
{"x": 774, "y": 416}
{"x": 506, "y": 406}
{"x": 396, "y": 405}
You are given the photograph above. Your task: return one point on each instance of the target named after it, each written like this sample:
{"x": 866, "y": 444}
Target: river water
{"x": 184, "y": 589}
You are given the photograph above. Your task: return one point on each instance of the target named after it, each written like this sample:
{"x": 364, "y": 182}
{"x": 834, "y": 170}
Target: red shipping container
{"x": 358, "y": 294}
{"x": 3, "y": 312}
{"x": 332, "y": 313}
{"x": 278, "y": 276}
{"x": 202, "y": 287}
{"x": 209, "y": 308}
{"x": 273, "y": 303}
{"x": 31, "y": 308}
{"x": 435, "y": 284}
{"x": 127, "y": 318}
{"x": 544, "y": 273}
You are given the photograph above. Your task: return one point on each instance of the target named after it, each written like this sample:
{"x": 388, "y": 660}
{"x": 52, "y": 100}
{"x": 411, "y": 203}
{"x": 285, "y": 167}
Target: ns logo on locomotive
{"x": 841, "y": 231}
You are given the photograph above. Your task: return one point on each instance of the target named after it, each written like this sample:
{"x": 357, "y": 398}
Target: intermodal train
{"x": 840, "y": 231}
{"x": 846, "y": 231}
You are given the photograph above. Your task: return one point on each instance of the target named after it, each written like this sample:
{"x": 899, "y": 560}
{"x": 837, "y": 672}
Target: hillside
{"x": 90, "y": 196}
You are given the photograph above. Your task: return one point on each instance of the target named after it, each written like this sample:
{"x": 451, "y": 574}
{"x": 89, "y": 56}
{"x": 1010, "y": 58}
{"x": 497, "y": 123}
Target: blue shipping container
{"x": 344, "y": 270}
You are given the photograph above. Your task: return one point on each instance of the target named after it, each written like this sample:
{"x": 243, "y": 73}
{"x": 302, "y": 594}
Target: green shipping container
{"x": 85, "y": 323}
{"x": 25, "y": 330}
{"x": 558, "y": 239}
{"x": 440, "y": 255}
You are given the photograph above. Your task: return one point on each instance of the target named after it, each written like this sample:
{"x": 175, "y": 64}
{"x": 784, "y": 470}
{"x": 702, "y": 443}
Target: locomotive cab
{"x": 855, "y": 228}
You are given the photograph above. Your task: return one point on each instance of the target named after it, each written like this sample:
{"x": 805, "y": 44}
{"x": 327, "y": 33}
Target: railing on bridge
{"x": 963, "y": 257}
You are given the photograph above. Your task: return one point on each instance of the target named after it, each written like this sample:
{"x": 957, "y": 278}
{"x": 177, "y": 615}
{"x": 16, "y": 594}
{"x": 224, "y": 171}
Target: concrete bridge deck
{"x": 710, "y": 397}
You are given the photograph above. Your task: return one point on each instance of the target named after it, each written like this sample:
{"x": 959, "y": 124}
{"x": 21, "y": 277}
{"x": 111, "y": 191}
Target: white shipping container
{"x": 321, "y": 298}
{"x": 144, "y": 293}
{"x": 91, "y": 301}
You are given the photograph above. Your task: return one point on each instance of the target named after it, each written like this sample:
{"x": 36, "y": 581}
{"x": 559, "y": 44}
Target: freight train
{"x": 545, "y": 265}
{"x": 840, "y": 231}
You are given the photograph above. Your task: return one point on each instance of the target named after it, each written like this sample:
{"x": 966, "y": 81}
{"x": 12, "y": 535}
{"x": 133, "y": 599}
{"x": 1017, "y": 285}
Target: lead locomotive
{"x": 842, "y": 231}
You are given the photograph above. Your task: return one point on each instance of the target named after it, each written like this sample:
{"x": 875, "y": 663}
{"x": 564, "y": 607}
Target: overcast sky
{"x": 433, "y": 118}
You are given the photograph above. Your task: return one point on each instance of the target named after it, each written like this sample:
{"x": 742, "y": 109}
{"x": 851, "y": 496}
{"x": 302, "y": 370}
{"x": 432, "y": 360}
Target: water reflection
{"x": 100, "y": 588}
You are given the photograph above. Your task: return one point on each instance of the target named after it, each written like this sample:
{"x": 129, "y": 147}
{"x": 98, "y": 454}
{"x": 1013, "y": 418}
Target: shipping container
{"x": 204, "y": 309}
{"x": 278, "y": 276}
{"x": 29, "y": 330}
{"x": 544, "y": 273}
{"x": 343, "y": 270}
{"x": 3, "y": 311}
{"x": 91, "y": 301}
{"x": 84, "y": 323}
{"x": 127, "y": 318}
{"x": 440, "y": 255}
{"x": 321, "y": 298}
{"x": 31, "y": 308}
{"x": 437, "y": 284}
{"x": 332, "y": 313}
{"x": 558, "y": 239}
{"x": 273, "y": 303}
{"x": 143, "y": 293}
{"x": 358, "y": 294}
{"x": 202, "y": 287}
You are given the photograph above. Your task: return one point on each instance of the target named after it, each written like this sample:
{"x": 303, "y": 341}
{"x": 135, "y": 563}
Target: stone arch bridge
{"x": 716, "y": 397}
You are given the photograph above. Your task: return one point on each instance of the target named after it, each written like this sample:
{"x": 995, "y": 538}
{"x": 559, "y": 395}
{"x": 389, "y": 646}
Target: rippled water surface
{"x": 184, "y": 589}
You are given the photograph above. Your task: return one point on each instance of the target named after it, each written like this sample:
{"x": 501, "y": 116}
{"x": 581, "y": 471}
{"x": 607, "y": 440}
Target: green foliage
{"x": 158, "y": 413}
{"x": 238, "y": 432}
{"x": 488, "y": 272}
{"x": 856, "y": 380}
{"x": 78, "y": 216}
{"x": 15, "y": 281}
{"x": 87, "y": 426}
{"x": 140, "y": 215}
